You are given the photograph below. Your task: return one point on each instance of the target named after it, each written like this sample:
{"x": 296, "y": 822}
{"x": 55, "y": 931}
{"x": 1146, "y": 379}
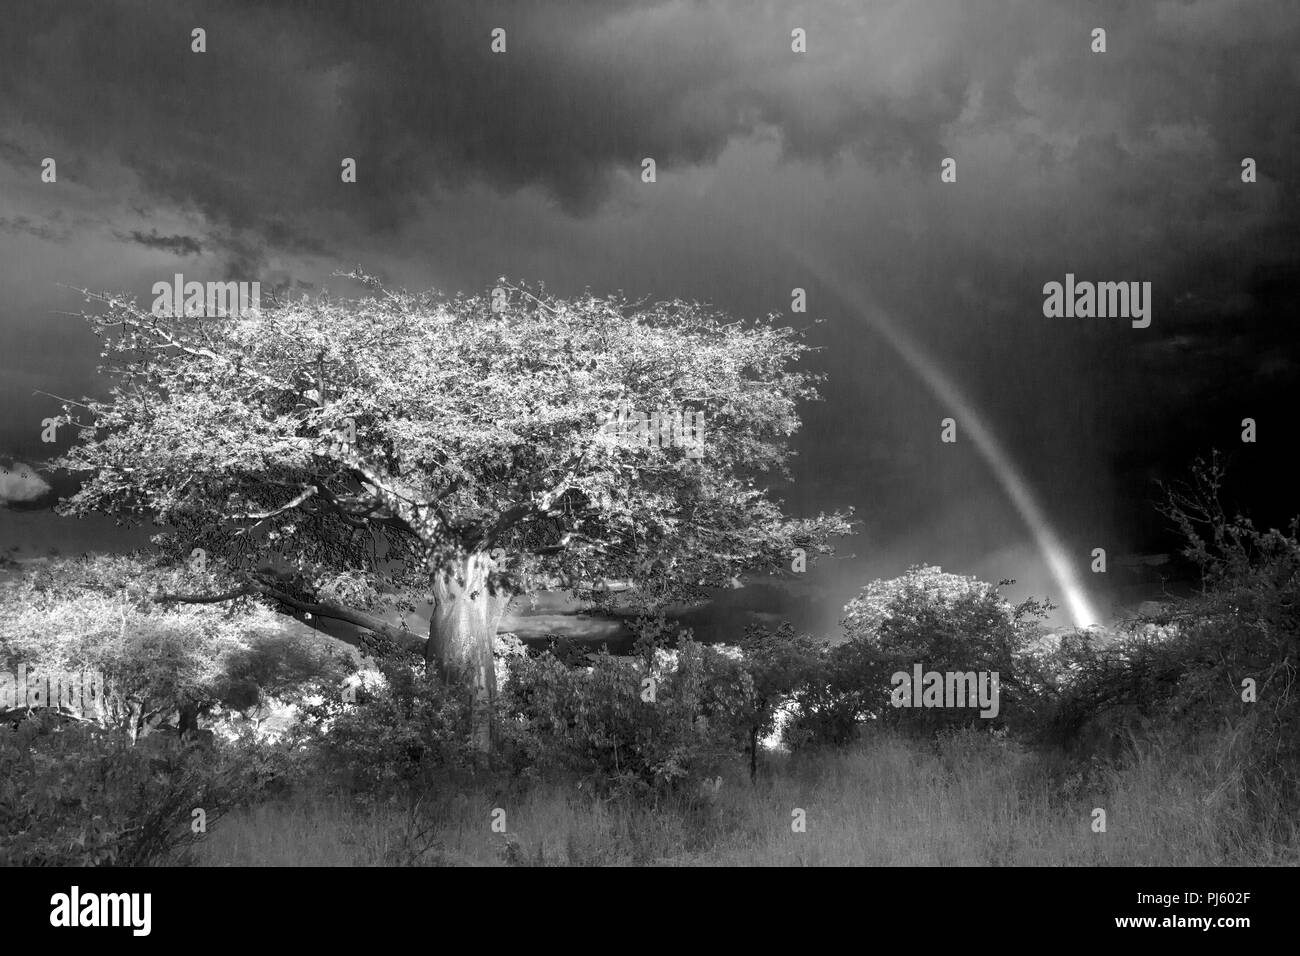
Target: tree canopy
{"x": 344, "y": 457}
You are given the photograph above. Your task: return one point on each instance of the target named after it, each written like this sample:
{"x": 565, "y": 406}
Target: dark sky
{"x": 775, "y": 170}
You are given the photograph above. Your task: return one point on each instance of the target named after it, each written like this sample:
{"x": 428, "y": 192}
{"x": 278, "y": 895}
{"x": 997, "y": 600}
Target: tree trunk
{"x": 187, "y": 722}
{"x": 461, "y": 633}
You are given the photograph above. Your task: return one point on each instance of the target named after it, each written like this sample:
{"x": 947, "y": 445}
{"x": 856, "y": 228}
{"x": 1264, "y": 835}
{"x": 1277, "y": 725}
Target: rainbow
{"x": 1077, "y": 603}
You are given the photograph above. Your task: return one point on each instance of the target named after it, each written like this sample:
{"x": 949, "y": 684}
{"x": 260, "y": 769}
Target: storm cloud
{"x": 470, "y": 164}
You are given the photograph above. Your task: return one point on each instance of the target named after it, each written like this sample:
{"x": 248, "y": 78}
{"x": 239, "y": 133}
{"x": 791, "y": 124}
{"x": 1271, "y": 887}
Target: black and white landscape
{"x": 826, "y": 432}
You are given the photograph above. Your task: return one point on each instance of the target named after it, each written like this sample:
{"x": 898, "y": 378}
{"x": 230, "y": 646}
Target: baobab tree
{"x": 342, "y": 458}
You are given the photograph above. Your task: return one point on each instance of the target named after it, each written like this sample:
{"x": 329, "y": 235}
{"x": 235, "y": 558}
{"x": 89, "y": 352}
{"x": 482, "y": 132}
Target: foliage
{"x": 849, "y": 685}
{"x": 478, "y": 424}
{"x": 397, "y": 737}
{"x": 779, "y": 663}
{"x": 73, "y": 794}
{"x": 945, "y": 623}
{"x": 97, "y": 614}
{"x": 1182, "y": 672}
{"x": 650, "y": 724}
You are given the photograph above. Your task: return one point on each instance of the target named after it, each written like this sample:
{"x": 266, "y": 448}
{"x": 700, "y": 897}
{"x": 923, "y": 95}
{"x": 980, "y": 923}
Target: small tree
{"x": 158, "y": 663}
{"x": 945, "y": 622}
{"x": 779, "y": 663}
{"x": 347, "y": 458}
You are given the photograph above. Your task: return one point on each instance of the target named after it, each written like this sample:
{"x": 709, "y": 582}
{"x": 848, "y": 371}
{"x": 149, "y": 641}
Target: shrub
{"x": 945, "y": 622}
{"x": 779, "y": 664}
{"x": 397, "y": 736}
{"x": 1180, "y": 674}
{"x": 74, "y": 794}
{"x": 650, "y": 724}
{"x": 160, "y": 663}
{"x": 848, "y": 684}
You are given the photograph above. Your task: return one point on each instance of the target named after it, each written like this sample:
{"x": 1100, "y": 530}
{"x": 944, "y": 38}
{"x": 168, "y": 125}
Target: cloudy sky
{"x": 776, "y": 170}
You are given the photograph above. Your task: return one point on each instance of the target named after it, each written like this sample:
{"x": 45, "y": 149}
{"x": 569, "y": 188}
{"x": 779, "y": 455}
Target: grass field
{"x": 970, "y": 801}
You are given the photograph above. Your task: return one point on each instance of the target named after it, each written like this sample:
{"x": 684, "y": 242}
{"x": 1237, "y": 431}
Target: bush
{"x": 1180, "y": 674}
{"x": 158, "y": 662}
{"x": 397, "y": 736}
{"x": 651, "y": 724}
{"x": 780, "y": 665}
{"x": 847, "y": 685}
{"x": 74, "y": 794}
{"x": 944, "y": 622}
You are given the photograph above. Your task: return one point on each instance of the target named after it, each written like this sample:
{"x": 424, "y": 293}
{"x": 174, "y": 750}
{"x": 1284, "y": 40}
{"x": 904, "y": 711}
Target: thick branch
{"x": 403, "y": 639}
{"x": 289, "y": 506}
{"x": 243, "y": 591}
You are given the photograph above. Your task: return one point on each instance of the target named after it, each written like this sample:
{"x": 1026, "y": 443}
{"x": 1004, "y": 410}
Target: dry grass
{"x": 968, "y": 802}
